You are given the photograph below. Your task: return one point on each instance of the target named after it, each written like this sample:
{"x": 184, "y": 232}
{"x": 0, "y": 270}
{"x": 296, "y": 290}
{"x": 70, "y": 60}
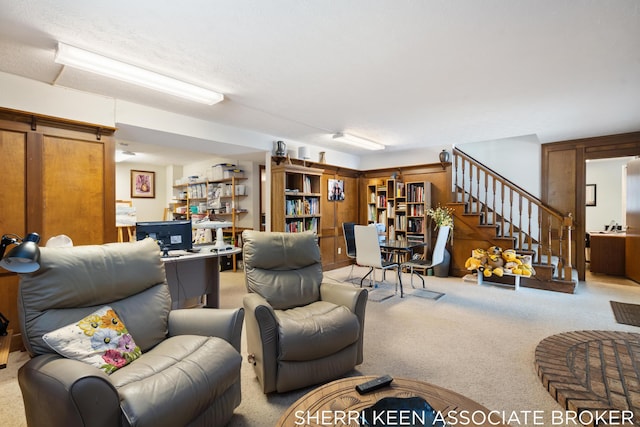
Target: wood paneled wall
{"x": 334, "y": 213}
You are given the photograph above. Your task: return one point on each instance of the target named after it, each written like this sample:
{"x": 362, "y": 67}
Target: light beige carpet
{"x": 477, "y": 341}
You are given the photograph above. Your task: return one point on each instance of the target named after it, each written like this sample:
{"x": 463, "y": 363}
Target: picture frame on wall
{"x": 336, "y": 189}
{"x": 590, "y": 195}
{"x": 143, "y": 184}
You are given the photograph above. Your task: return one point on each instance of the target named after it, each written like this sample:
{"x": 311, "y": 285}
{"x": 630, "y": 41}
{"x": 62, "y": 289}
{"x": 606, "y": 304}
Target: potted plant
{"x": 442, "y": 216}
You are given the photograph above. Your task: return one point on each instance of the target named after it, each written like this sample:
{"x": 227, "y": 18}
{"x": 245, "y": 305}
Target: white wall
{"x": 518, "y": 159}
{"x": 23, "y": 94}
{"x": 608, "y": 175}
{"x": 151, "y": 209}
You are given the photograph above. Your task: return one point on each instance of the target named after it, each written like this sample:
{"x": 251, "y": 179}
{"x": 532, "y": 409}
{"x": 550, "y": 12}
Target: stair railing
{"x": 515, "y": 212}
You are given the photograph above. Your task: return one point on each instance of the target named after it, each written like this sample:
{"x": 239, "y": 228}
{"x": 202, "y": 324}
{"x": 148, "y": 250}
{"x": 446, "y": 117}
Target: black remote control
{"x": 374, "y": 384}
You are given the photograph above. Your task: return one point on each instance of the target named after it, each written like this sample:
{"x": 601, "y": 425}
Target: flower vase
{"x": 442, "y": 269}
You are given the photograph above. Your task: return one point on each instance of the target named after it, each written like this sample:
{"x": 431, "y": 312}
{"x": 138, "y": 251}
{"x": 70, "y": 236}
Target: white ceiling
{"x": 407, "y": 73}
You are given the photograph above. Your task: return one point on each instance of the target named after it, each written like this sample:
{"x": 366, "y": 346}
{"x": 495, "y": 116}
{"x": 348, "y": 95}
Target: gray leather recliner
{"x": 189, "y": 370}
{"x": 300, "y": 331}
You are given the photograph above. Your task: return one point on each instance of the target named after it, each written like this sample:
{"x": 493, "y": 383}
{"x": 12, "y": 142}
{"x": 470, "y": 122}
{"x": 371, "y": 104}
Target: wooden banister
{"x": 515, "y": 212}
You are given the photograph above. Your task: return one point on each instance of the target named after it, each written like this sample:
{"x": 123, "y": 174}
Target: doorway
{"x": 605, "y": 214}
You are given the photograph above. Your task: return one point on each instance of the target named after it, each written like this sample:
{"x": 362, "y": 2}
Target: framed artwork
{"x": 143, "y": 184}
{"x": 336, "y": 189}
{"x": 590, "y": 195}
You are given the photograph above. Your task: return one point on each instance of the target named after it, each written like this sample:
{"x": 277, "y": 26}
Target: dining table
{"x": 399, "y": 248}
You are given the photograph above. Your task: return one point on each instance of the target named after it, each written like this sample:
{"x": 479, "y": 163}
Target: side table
{"x": 336, "y": 398}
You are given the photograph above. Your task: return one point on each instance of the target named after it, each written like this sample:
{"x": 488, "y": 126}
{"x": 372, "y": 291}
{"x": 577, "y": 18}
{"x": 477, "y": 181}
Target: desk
{"x": 339, "y": 398}
{"x": 194, "y": 278}
{"x": 607, "y": 253}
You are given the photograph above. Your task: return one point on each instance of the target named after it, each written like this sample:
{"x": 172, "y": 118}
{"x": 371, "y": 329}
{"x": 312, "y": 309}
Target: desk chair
{"x": 368, "y": 254}
{"x": 437, "y": 256}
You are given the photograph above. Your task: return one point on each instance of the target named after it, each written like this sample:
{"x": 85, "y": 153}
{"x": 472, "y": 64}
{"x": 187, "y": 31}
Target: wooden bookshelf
{"x": 295, "y": 198}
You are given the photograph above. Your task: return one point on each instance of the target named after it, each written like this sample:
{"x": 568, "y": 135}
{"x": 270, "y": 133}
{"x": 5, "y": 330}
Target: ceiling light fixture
{"x": 98, "y": 64}
{"x": 123, "y": 155}
{"x": 358, "y": 142}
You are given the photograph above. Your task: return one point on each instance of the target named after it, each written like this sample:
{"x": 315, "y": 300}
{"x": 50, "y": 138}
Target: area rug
{"x": 595, "y": 372}
{"x": 628, "y": 314}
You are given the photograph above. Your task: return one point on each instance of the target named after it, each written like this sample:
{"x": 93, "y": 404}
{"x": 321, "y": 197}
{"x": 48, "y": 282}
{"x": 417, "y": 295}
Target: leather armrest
{"x": 61, "y": 391}
{"x": 262, "y": 338}
{"x": 211, "y": 322}
{"x": 355, "y": 299}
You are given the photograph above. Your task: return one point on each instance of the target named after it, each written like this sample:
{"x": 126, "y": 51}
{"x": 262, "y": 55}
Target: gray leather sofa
{"x": 300, "y": 331}
{"x": 189, "y": 370}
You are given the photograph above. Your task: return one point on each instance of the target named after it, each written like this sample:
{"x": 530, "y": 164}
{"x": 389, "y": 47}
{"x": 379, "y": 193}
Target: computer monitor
{"x": 170, "y": 235}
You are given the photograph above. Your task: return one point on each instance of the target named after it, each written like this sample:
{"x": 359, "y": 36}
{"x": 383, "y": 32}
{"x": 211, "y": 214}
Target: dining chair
{"x": 368, "y": 254}
{"x": 350, "y": 244}
{"x": 437, "y": 255}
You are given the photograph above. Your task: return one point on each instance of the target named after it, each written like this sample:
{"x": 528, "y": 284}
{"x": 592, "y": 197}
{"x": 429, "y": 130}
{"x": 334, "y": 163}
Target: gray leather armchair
{"x": 189, "y": 370}
{"x": 300, "y": 331}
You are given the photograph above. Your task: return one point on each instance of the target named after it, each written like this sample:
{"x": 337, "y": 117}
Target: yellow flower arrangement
{"x": 442, "y": 216}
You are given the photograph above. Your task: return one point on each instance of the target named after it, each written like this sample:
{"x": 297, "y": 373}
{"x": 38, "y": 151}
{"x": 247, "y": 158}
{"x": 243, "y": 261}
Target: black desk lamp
{"x": 24, "y": 258}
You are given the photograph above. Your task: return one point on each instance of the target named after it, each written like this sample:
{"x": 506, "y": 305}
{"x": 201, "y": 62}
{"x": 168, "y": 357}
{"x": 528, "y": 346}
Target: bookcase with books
{"x": 377, "y": 202}
{"x": 387, "y": 204}
{"x": 418, "y": 201}
{"x": 295, "y": 198}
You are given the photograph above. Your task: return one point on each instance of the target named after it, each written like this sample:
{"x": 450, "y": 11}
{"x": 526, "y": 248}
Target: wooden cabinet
{"x": 58, "y": 178}
{"x": 607, "y": 253}
{"x": 295, "y": 198}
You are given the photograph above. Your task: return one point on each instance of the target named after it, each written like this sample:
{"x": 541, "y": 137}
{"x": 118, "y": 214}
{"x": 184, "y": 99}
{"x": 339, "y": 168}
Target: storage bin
{"x": 233, "y": 173}
{"x": 216, "y": 172}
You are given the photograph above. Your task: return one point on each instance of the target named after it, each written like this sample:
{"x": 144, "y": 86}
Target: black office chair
{"x": 350, "y": 243}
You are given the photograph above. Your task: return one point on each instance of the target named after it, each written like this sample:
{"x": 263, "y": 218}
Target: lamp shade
{"x": 303, "y": 153}
{"x": 24, "y": 258}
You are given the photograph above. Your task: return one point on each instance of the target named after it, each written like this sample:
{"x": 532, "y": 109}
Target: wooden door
{"x": 73, "y": 190}
{"x": 71, "y": 185}
{"x": 632, "y": 247}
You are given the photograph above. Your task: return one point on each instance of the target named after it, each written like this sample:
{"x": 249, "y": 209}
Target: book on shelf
{"x": 415, "y": 193}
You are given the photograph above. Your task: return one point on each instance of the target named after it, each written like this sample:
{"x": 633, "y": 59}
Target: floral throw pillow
{"x": 100, "y": 339}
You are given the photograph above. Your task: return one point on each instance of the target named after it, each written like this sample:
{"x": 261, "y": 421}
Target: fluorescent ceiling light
{"x": 357, "y": 141}
{"x": 94, "y": 63}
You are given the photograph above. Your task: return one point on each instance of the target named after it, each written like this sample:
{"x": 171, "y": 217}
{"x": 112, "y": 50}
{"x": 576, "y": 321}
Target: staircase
{"x": 489, "y": 210}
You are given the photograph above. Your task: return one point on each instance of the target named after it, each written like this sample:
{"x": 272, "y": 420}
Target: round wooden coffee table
{"x": 339, "y": 399}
